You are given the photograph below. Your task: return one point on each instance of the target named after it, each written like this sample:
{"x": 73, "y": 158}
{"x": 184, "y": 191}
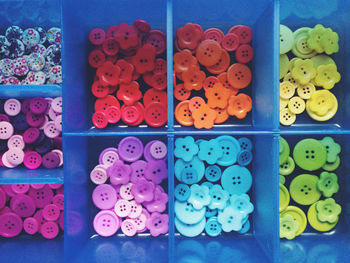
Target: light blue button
{"x": 245, "y": 227}
{"x": 244, "y": 157}
{"x": 236, "y": 179}
{"x": 189, "y": 175}
{"x": 199, "y": 196}
{"x": 242, "y": 204}
{"x": 230, "y": 148}
{"x": 199, "y": 141}
{"x": 194, "y": 163}
{"x": 187, "y": 214}
{"x": 182, "y": 192}
{"x": 210, "y": 212}
{"x": 230, "y": 219}
{"x": 190, "y": 230}
{"x": 209, "y": 151}
{"x": 245, "y": 144}
{"x": 213, "y": 173}
{"x": 208, "y": 184}
{"x": 185, "y": 148}
{"x": 213, "y": 227}
{"x": 219, "y": 197}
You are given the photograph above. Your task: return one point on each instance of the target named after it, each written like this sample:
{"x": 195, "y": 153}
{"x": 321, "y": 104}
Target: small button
{"x": 327, "y": 76}
{"x": 328, "y": 184}
{"x": 16, "y": 141}
{"x": 287, "y": 167}
{"x": 314, "y": 38}
{"x": 300, "y": 47}
{"x": 104, "y": 196}
{"x": 244, "y": 33}
{"x": 49, "y": 230}
{"x": 138, "y": 169}
{"x": 296, "y": 105}
{"x": 287, "y": 117}
{"x": 322, "y": 105}
{"x": 242, "y": 204}
{"x": 135, "y": 209}
{"x": 284, "y": 150}
{"x": 329, "y": 41}
{"x": 110, "y": 47}
{"x": 143, "y": 190}
{"x": 213, "y": 227}
{"x": 244, "y": 53}
{"x": 125, "y": 192}
{"x": 12, "y": 107}
{"x": 239, "y": 75}
{"x": 214, "y": 34}
{"x": 30, "y": 225}
{"x": 142, "y": 25}
{"x": 236, "y": 179}
{"x": 106, "y": 223}
{"x": 50, "y": 160}
{"x": 154, "y": 95}
{"x": 239, "y": 105}
{"x": 333, "y": 149}
{"x": 51, "y": 212}
{"x": 245, "y": 144}
{"x": 97, "y": 36}
{"x": 330, "y": 167}
{"x": 303, "y": 189}
{"x": 122, "y": 208}
{"x": 96, "y": 58}
{"x": 230, "y": 42}
{"x": 50, "y": 130}
{"x": 56, "y": 104}
{"x": 213, "y": 173}
{"x": 130, "y": 114}
{"x": 32, "y": 160}
{"x": 20, "y": 188}
{"x": 108, "y": 156}
{"x": 230, "y": 148}
{"x": 182, "y": 192}
{"x": 128, "y": 227}
{"x": 209, "y": 82}
{"x": 180, "y": 93}
{"x": 130, "y": 149}
{"x": 158, "y": 150}
{"x": 210, "y": 151}
{"x": 108, "y": 74}
{"x": 112, "y": 114}
{"x": 199, "y": 196}
{"x": 190, "y": 230}
{"x": 98, "y": 175}
{"x": 305, "y": 91}
{"x": 244, "y": 158}
{"x": 195, "y": 163}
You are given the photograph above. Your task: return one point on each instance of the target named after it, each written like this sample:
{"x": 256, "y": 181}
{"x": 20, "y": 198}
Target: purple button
{"x": 16, "y": 141}
{"x": 4, "y": 117}
{"x": 158, "y": 224}
{"x": 158, "y": 204}
{"x": 6, "y": 130}
{"x": 3, "y": 198}
{"x": 135, "y": 209}
{"x": 125, "y": 191}
{"x": 51, "y": 212}
{"x": 20, "y": 188}
{"x": 104, "y": 196}
{"x": 138, "y": 170}
{"x": 5, "y": 161}
{"x": 44, "y": 146}
{"x": 31, "y": 225}
{"x": 119, "y": 173}
{"x": 108, "y": 156}
{"x": 128, "y": 227}
{"x": 156, "y": 171}
{"x": 51, "y": 160}
{"x": 41, "y": 196}
{"x": 5, "y": 210}
{"x": 57, "y": 143}
{"x": 49, "y": 230}
{"x": 58, "y": 200}
{"x": 130, "y": 149}
{"x": 22, "y": 205}
{"x": 140, "y": 222}
{"x": 35, "y": 120}
{"x": 32, "y": 160}
{"x": 147, "y": 151}
{"x": 38, "y": 105}
{"x": 12, "y": 107}
{"x": 106, "y": 223}
{"x": 15, "y": 156}
{"x": 25, "y": 107}
{"x": 10, "y": 225}
{"x": 158, "y": 150}
{"x": 122, "y": 208}
{"x": 98, "y": 175}
{"x": 143, "y": 190}
{"x": 60, "y": 155}
{"x": 31, "y": 135}
{"x": 56, "y": 104}
{"x": 50, "y": 130}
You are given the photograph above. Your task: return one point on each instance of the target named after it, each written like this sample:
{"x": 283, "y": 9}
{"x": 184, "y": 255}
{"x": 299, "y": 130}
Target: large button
{"x": 153, "y": 95}
{"x": 195, "y": 163}
{"x": 300, "y": 47}
{"x": 310, "y": 154}
{"x": 144, "y": 60}
{"x": 315, "y": 223}
{"x": 190, "y": 230}
{"x": 106, "y": 223}
{"x": 230, "y": 148}
{"x": 303, "y": 189}
{"x": 328, "y": 210}
{"x": 322, "y": 105}
{"x": 156, "y": 171}
{"x": 10, "y": 225}
{"x": 284, "y": 197}
{"x": 298, "y": 215}
{"x": 130, "y": 149}
{"x": 236, "y": 179}
{"x": 239, "y": 75}
{"x": 217, "y": 96}
{"x": 286, "y": 39}
{"x": 208, "y": 52}
{"x": 155, "y": 114}
{"x": 187, "y": 213}
{"x": 104, "y": 196}
{"x": 158, "y": 224}
{"x": 129, "y": 93}
{"x": 143, "y": 190}
{"x": 224, "y": 61}
{"x": 288, "y": 226}
{"x": 22, "y": 205}
{"x": 204, "y": 117}
{"x": 185, "y": 148}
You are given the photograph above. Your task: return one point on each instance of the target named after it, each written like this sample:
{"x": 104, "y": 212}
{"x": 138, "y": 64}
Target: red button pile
{"x": 217, "y": 63}
{"x": 121, "y": 55}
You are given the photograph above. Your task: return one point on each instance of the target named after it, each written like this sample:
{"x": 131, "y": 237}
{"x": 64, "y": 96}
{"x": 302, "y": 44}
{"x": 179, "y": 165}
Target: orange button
{"x": 208, "y": 52}
{"x": 223, "y": 79}
{"x": 221, "y": 115}
{"x": 239, "y": 105}
{"x": 183, "y": 60}
{"x": 189, "y": 36}
{"x": 183, "y": 114}
{"x": 221, "y": 65}
{"x": 181, "y": 93}
{"x": 193, "y": 78}
{"x": 209, "y": 82}
{"x": 239, "y": 75}
{"x": 204, "y": 117}
{"x": 195, "y": 103}
{"x": 217, "y": 96}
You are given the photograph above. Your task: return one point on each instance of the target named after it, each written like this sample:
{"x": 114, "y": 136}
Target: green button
{"x": 310, "y": 154}
{"x": 332, "y": 148}
{"x": 316, "y": 223}
{"x": 322, "y": 60}
{"x": 303, "y": 189}
{"x": 314, "y": 40}
{"x": 284, "y": 197}
{"x": 282, "y": 179}
{"x": 300, "y": 47}
{"x": 284, "y": 65}
{"x": 330, "y": 167}
{"x": 286, "y": 39}
{"x": 329, "y": 41}
{"x": 287, "y": 167}
{"x": 298, "y": 215}
{"x": 328, "y": 210}
{"x": 328, "y": 184}
{"x": 284, "y": 150}
{"x": 288, "y": 227}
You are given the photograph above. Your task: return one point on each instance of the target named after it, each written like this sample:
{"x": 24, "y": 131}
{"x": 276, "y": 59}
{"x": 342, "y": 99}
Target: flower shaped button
{"x": 327, "y": 76}
{"x": 156, "y": 171}
{"x": 328, "y": 184}
{"x": 333, "y": 149}
{"x": 242, "y": 204}
{"x": 144, "y": 60}
{"x": 204, "y": 117}
{"x": 129, "y": 93}
{"x": 158, "y": 204}
{"x": 230, "y": 219}
{"x": 239, "y": 105}
{"x": 210, "y": 151}
{"x": 314, "y": 40}
{"x": 119, "y": 173}
{"x": 288, "y": 227}
{"x": 183, "y": 60}
{"x": 329, "y": 40}
{"x": 108, "y": 74}
{"x": 217, "y": 96}
{"x": 322, "y": 105}
{"x": 185, "y": 148}
{"x": 142, "y": 190}
{"x": 328, "y": 210}
{"x": 193, "y": 78}
{"x": 219, "y": 197}
{"x": 189, "y": 36}
{"x": 158, "y": 224}
{"x": 303, "y": 71}
{"x": 199, "y": 196}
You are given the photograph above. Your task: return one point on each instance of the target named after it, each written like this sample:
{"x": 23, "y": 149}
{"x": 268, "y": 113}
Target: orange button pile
{"x": 130, "y": 82}
{"x": 210, "y": 72}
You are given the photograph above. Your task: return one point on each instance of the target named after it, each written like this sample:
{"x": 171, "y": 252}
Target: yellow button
{"x": 298, "y": 215}
{"x": 291, "y": 62}
{"x": 284, "y": 65}
{"x": 322, "y": 60}
{"x": 305, "y": 91}
{"x": 287, "y": 90}
{"x": 303, "y": 71}
{"x": 283, "y": 103}
{"x": 287, "y": 117}
{"x": 322, "y": 105}
{"x": 327, "y": 76}
{"x": 289, "y": 78}
{"x": 296, "y": 105}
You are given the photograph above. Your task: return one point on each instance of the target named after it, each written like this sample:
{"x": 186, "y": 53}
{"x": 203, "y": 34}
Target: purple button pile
{"x": 128, "y": 190}
{"x": 30, "y": 133}
{"x": 31, "y": 56}
{"x": 32, "y": 208}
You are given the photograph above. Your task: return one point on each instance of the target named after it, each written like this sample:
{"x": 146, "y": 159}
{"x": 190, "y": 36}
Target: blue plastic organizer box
{"x": 82, "y": 143}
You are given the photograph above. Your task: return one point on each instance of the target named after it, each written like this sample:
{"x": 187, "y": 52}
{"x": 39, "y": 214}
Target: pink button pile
{"x": 32, "y": 208}
{"x": 30, "y": 133}
{"x": 128, "y": 189}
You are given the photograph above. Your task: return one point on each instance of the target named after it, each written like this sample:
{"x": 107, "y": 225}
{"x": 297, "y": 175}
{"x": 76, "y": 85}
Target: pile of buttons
{"x": 34, "y": 208}
{"x": 216, "y": 200}
{"x": 30, "y": 133}
{"x": 133, "y": 200}
{"x": 306, "y": 71}
{"x": 31, "y": 56}
{"x": 120, "y": 56}
{"x": 215, "y": 62}
{"x": 314, "y": 193}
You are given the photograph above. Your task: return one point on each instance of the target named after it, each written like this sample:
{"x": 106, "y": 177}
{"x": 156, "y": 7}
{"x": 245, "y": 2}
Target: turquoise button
{"x": 209, "y": 151}
{"x": 199, "y": 196}
{"x": 185, "y": 148}
{"x": 245, "y": 227}
{"x": 242, "y": 204}
{"x": 199, "y": 141}
{"x": 213, "y": 227}
{"x": 182, "y": 192}
{"x": 189, "y": 175}
{"x": 245, "y": 144}
{"x": 236, "y": 179}
{"x": 194, "y": 163}
{"x": 213, "y": 173}
{"x": 230, "y": 148}
{"x": 208, "y": 184}
{"x": 219, "y": 197}
{"x": 210, "y": 212}
{"x": 230, "y": 219}
{"x": 190, "y": 230}
{"x": 244, "y": 157}
{"x": 187, "y": 214}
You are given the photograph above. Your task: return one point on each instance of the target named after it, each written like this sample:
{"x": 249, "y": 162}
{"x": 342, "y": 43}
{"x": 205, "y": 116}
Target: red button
{"x": 99, "y": 119}
{"x": 223, "y": 79}
{"x": 98, "y": 90}
{"x": 110, "y": 47}
{"x": 144, "y": 59}
{"x": 244, "y": 53}
{"x": 230, "y": 42}
{"x": 130, "y": 114}
{"x": 108, "y": 74}
{"x": 126, "y": 36}
{"x": 97, "y": 36}
{"x": 153, "y": 95}
{"x": 160, "y": 66}
{"x": 103, "y": 104}
{"x": 112, "y": 59}
{"x": 111, "y": 31}
{"x": 157, "y": 39}
{"x": 142, "y": 25}
{"x": 126, "y": 71}
{"x": 214, "y": 34}
{"x": 159, "y": 81}
{"x": 113, "y": 114}
{"x": 180, "y": 93}
{"x": 244, "y": 33}
{"x": 112, "y": 89}
{"x": 141, "y": 110}
{"x": 129, "y": 93}
{"x": 209, "y": 82}
{"x": 147, "y": 78}
{"x": 96, "y": 58}
{"x": 155, "y": 114}
{"x": 189, "y": 36}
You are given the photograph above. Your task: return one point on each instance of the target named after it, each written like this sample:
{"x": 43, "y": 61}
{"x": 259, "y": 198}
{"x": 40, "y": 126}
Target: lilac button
{"x": 58, "y": 200}
{"x": 104, "y": 196}
{"x": 158, "y": 204}
{"x": 5, "y": 161}
{"x": 31, "y": 225}
{"x": 135, "y": 209}
{"x": 52, "y": 114}
{"x": 158, "y": 224}
{"x": 143, "y": 190}
{"x": 50, "y": 130}
{"x": 22, "y": 205}
{"x": 51, "y": 160}
{"x": 138, "y": 170}
{"x": 10, "y": 225}
{"x": 156, "y": 171}
{"x": 109, "y": 156}
{"x": 56, "y": 104}
{"x": 15, "y": 156}
{"x": 4, "y": 117}
{"x": 32, "y": 160}
{"x": 130, "y": 149}
{"x": 125, "y": 191}
{"x": 51, "y": 212}
{"x": 25, "y": 107}
{"x": 147, "y": 151}
{"x": 128, "y": 227}
{"x": 158, "y": 150}
{"x": 12, "y": 107}
{"x": 98, "y": 175}
{"x": 41, "y": 196}
{"x": 100, "y": 158}
{"x": 16, "y": 141}
{"x": 122, "y": 208}
{"x": 60, "y": 155}
{"x": 106, "y": 223}
{"x": 35, "y": 120}
{"x": 119, "y": 173}
{"x": 140, "y": 222}
{"x": 146, "y": 214}
{"x": 6, "y": 130}
{"x": 31, "y": 135}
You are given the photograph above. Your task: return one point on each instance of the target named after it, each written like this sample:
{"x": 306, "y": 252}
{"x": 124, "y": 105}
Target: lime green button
{"x": 284, "y": 150}
{"x": 284, "y": 197}
{"x": 286, "y": 39}
{"x": 282, "y": 179}
{"x": 327, "y": 76}
{"x": 329, "y": 41}
{"x": 288, "y": 227}
{"x": 303, "y": 189}
{"x": 330, "y": 167}
{"x": 328, "y": 184}
{"x": 287, "y": 167}
{"x": 322, "y": 60}
{"x": 328, "y": 210}
{"x": 314, "y": 40}
{"x": 300, "y": 47}
{"x": 298, "y": 216}
{"x": 310, "y": 154}
{"x": 284, "y": 65}
{"x": 333, "y": 149}
{"x": 316, "y": 223}
{"x": 303, "y": 70}
{"x": 322, "y": 105}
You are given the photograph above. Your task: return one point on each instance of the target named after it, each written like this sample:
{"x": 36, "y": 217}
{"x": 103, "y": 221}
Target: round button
{"x": 330, "y": 167}
{"x": 20, "y": 188}
{"x": 187, "y": 214}
{"x": 30, "y": 225}
{"x": 130, "y": 114}
{"x": 230, "y": 148}
{"x": 303, "y": 189}
{"x": 157, "y": 39}
{"x": 230, "y": 42}
{"x": 155, "y": 114}
{"x": 97, "y": 36}
{"x": 190, "y": 230}
{"x": 286, "y": 39}
{"x": 182, "y": 114}
{"x": 12, "y": 107}
{"x": 213, "y": 227}
{"x": 221, "y": 115}
{"x": 287, "y": 117}
{"x": 244, "y": 158}
{"x": 224, "y": 61}
{"x": 112, "y": 114}
{"x": 284, "y": 197}
{"x": 239, "y": 75}
{"x": 305, "y": 91}
{"x": 322, "y": 105}
{"x": 51, "y": 212}
{"x": 213, "y": 173}
{"x": 182, "y": 192}
{"x": 158, "y": 150}
{"x": 236, "y": 179}
{"x": 208, "y": 52}
{"x": 106, "y": 223}
{"x": 315, "y": 223}
{"x": 196, "y": 163}
{"x": 23, "y": 205}
{"x": 287, "y": 167}
{"x": 104, "y": 196}
{"x": 244, "y": 33}
{"x": 296, "y": 105}
{"x": 153, "y": 95}
{"x": 38, "y": 105}
{"x": 130, "y": 149}
{"x": 96, "y": 58}
{"x": 298, "y": 215}
{"x": 300, "y": 47}
{"x": 287, "y": 90}
{"x": 16, "y": 141}
{"x": 310, "y": 154}
{"x": 10, "y": 225}
{"x": 244, "y": 53}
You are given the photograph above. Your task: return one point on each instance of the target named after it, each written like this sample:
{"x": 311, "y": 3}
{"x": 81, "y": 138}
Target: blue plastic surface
{"x": 82, "y": 143}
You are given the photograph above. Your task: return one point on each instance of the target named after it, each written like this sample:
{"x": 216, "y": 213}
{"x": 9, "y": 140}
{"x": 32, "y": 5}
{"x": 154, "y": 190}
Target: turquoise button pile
{"x": 211, "y": 195}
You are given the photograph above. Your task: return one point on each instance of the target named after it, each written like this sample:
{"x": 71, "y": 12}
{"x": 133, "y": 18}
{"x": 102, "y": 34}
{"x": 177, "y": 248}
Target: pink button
{"x": 8, "y": 190}
{"x": 50, "y": 130}
{"x": 143, "y": 190}
{"x": 122, "y": 208}
{"x": 51, "y": 212}
{"x": 135, "y": 209}
{"x": 58, "y": 122}
{"x": 109, "y": 157}
{"x": 6, "y": 130}
{"x": 140, "y": 222}
{"x": 40, "y": 217}
{"x": 158, "y": 224}
{"x": 159, "y": 202}
{"x": 16, "y": 141}
{"x": 32, "y": 160}
{"x": 11, "y": 225}
{"x": 15, "y": 156}
{"x": 20, "y": 188}
{"x": 128, "y": 227}
{"x": 49, "y": 230}
{"x": 61, "y": 221}
{"x": 55, "y": 186}
{"x": 125, "y": 192}
{"x": 60, "y": 155}
{"x": 5, "y": 210}
{"x": 106, "y": 223}
{"x": 97, "y": 36}
{"x": 3, "y": 198}
{"x": 98, "y": 175}
{"x": 119, "y": 173}
{"x": 53, "y": 115}
{"x": 104, "y": 196}
{"x": 22, "y": 205}
{"x": 56, "y": 104}
{"x": 41, "y": 196}
{"x": 58, "y": 200}
{"x": 158, "y": 150}
{"x": 31, "y": 225}
{"x": 37, "y": 186}
{"x": 12, "y": 107}
{"x": 35, "y": 120}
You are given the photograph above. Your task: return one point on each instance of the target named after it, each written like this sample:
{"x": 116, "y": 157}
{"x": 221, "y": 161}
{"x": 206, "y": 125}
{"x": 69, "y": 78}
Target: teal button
{"x": 230, "y": 219}
{"x": 210, "y": 212}
{"x": 182, "y": 192}
{"x": 208, "y": 184}
{"x": 245, "y": 144}
{"x": 187, "y": 213}
{"x": 190, "y": 230}
{"x": 242, "y": 204}
{"x": 245, "y": 227}
{"x": 185, "y": 148}
{"x": 194, "y": 163}
{"x": 213, "y": 173}
{"x": 244, "y": 158}
{"x": 213, "y": 227}
{"x": 209, "y": 151}
{"x": 199, "y": 196}
{"x": 236, "y": 179}
{"x": 189, "y": 175}
{"x": 219, "y": 197}
{"x": 230, "y": 148}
